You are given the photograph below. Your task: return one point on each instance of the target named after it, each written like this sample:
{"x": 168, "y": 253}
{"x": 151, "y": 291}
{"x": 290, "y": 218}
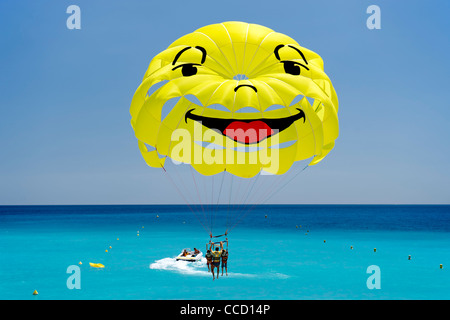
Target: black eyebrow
{"x": 181, "y": 65}
{"x": 277, "y": 55}
{"x": 203, "y": 50}
{"x": 187, "y": 48}
{"x": 294, "y": 62}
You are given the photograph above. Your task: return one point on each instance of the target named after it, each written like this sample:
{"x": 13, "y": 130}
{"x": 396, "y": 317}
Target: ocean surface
{"x": 275, "y": 252}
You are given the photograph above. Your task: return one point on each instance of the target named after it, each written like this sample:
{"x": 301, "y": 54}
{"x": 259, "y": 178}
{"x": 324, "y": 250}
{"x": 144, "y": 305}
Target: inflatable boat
{"x": 188, "y": 255}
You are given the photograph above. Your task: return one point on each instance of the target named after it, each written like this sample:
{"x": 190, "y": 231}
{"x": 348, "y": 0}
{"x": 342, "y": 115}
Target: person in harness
{"x": 216, "y": 254}
{"x": 208, "y": 257}
{"x": 224, "y": 256}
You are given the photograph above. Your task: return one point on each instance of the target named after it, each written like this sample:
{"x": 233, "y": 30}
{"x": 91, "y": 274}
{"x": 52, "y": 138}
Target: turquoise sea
{"x": 276, "y": 252}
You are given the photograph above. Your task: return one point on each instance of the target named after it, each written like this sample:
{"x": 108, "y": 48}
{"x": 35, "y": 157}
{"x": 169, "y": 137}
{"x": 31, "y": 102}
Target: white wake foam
{"x": 184, "y": 267}
{"x": 199, "y": 268}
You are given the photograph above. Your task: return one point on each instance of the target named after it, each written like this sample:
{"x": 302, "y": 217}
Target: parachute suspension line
{"x": 281, "y": 183}
{"x": 187, "y": 202}
{"x": 236, "y": 194}
{"x": 205, "y": 200}
{"x": 251, "y": 189}
{"x": 242, "y": 215}
{"x": 179, "y": 176}
{"x": 215, "y": 207}
{"x": 229, "y": 204}
{"x": 199, "y": 197}
{"x": 211, "y": 207}
{"x": 269, "y": 196}
{"x": 285, "y": 184}
{"x": 245, "y": 194}
{"x": 265, "y": 192}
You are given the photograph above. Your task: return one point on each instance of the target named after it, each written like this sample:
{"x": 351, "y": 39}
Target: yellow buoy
{"x": 80, "y": 263}
{"x": 142, "y": 227}
{"x": 35, "y": 293}
{"x": 106, "y": 250}
{"x": 96, "y": 265}
{"x": 110, "y": 247}
{"x": 117, "y": 238}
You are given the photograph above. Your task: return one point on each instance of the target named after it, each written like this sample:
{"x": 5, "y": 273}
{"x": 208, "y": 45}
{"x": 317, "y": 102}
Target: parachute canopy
{"x": 235, "y": 97}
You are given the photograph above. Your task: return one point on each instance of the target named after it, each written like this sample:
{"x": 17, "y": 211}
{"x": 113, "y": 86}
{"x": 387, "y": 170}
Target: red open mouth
{"x": 247, "y": 131}
{"x": 251, "y": 132}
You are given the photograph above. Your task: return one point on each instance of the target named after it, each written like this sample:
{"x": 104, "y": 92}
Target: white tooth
{"x": 248, "y": 110}
{"x": 274, "y": 107}
{"x": 209, "y": 145}
{"x": 283, "y": 145}
{"x": 296, "y": 99}
{"x": 193, "y": 99}
{"x": 310, "y": 100}
{"x": 247, "y": 149}
{"x": 219, "y": 107}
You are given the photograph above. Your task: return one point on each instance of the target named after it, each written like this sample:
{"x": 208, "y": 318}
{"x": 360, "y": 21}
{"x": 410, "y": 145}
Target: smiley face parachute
{"x": 237, "y": 100}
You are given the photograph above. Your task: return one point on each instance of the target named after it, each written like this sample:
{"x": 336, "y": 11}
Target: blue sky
{"x": 65, "y": 133}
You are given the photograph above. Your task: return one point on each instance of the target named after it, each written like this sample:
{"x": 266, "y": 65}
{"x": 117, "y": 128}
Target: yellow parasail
{"x": 235, "y": 97}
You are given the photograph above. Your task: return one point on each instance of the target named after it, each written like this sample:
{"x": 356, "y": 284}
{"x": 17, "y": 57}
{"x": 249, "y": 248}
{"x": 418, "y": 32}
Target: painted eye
{"x": 188, "y": 69}
{"x": 291, "y": 68}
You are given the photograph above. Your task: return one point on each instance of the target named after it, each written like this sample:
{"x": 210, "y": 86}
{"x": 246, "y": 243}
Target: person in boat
{"x": 224, "y": 256}
{"x": 216, "y": 258}
{"x": 185, "y": 253}
{"x": 196, "y": 251}
{"x": 208, "y": 257}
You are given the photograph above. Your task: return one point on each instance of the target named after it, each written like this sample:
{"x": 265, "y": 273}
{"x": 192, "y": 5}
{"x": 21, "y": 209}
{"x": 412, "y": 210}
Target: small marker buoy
{"x": 117, "y": 238}
{"x": 35, "y": 293}
{"x": 374, "y": 249}
{"x": 96, "y": 265}
{"x": 80, "y": 263}
{"x": 324, "y": 241}
{"x": 157, "y": 216}
{"x": 265, "y": 216}
{"x": 351, "y": 247}
{"x": 440, "y": 266}
{"x": 110, "y": 247}
{"x": 106, "y": 250}
{"x": 409, "y": 257}
{"x": 142, "y": 227}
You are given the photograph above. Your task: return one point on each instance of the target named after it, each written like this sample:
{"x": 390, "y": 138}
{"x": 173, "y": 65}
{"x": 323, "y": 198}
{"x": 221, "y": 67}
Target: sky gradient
{"x": 65, "y": 132}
